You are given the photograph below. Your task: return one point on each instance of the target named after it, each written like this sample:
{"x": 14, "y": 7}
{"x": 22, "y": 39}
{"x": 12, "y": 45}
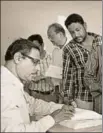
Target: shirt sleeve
{"x": 93, "y": 69}
{"x": 40, "y": 107}
{"x": 67, "y": 75}
{"x": 12, "y": 121}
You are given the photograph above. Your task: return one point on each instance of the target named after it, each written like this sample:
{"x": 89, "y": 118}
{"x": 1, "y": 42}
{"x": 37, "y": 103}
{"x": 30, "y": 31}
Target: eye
{"x": 53, "y": 42}
{"x": 35, "y": 62}
{"x": 77, "y": 29}
{"x": 71, "y": 32}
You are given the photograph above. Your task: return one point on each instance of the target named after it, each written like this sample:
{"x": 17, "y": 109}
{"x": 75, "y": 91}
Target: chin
{"x": 60, "y": 46}
{"x": 79, "y": 41}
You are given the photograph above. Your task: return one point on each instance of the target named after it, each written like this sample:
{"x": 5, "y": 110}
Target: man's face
{"x": 28, "y": 67}
{"x": 56, "y": 38}
{"x": 78, "y": 32}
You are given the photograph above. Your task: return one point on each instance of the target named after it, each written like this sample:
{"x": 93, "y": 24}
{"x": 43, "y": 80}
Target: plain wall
{"x": 23, "y": 18}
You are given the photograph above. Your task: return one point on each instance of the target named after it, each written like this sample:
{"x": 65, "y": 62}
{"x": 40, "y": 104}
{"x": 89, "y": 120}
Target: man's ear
{"x": 17, "y": 57}
{"x": 61, "y": 34}
{"x": 43, "y": 45}
{"x": 85, "y": 25}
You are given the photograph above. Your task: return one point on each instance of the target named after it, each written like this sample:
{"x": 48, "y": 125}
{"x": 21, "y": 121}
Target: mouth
{"x": 33, "y": 75}
{"x": 79, "y": 39}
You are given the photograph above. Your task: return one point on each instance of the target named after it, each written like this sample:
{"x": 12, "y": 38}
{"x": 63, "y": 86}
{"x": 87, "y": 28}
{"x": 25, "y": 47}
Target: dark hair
{"x": 20, "y": 45}
{"x": 57, "y": 28}
{"x": 74, "y": 18}
{"x": 36, "y": 37}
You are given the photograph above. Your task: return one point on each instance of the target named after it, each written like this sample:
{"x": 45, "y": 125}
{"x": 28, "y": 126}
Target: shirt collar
{"x": 11, "y": 77}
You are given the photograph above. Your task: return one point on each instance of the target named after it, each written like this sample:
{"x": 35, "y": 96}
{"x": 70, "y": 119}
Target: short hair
{"x": 20, "y": 45}
{"x": 57, "y": 28}
{"x": 36, "y": 37}
{"x": 73, "y": 18}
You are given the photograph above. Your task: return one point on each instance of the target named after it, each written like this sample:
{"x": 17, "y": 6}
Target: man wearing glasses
{"x": 42, "y": 87}
{"x": 21, "y": 66}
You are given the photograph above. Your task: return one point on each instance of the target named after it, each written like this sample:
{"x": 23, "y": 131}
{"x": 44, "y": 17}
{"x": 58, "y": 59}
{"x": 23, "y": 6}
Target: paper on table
{"x": 83, "y": 119}
{"x": 83, "y": 114}
{"x": 54, "y": 72}
{"x": 79, "y": 124}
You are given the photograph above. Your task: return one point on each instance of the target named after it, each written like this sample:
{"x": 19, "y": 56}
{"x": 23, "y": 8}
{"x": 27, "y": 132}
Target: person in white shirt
{"x": 57, "y": 35}
{"x": 21, "y": 65}
{"x": 59, "y": 41}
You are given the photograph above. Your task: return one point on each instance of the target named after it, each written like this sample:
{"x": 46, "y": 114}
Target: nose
{"x": 76, "y": 34}
{"x": 36, "y": 70}
{"x": 38, "y": 67}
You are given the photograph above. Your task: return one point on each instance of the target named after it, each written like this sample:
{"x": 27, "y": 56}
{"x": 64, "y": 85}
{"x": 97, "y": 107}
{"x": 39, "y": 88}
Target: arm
{"x": 67, "y": 76}
{"x": 98, "y": 69}
{"x": 40, "y": 107}
{"x": 13, "y": 121}
{"x": 93, "y": 71}
{"x": 59, "y": 112}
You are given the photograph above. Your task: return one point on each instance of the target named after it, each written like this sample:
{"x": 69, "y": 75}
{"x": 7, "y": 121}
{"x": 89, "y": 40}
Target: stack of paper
{"x": 79, "y": 124}
{"x": 83, "y": 114}
{"x": 83, "y": 119}
{"x": 54, "y": 72}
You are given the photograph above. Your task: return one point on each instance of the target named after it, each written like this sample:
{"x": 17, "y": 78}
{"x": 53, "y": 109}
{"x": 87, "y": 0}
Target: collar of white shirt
{"x": 10, "y": 77}
{"x": 67, "y": 41}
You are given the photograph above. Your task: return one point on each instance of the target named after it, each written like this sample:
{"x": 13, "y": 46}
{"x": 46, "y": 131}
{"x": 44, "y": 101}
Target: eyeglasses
{"x": 35, "y": 61}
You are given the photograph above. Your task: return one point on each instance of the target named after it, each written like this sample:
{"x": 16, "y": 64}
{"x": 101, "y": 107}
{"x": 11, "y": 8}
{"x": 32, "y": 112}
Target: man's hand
{"x": 70, "y": 102}
{"x": 74, "y": 104}
{"x": 63, "y": 114}
{"x": 68, "y": 108}
{"x": 66, "y": 101}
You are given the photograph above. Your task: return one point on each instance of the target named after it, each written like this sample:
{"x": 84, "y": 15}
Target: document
{"x": 54, "y": 72}
{"x": 83, "y": 119}
{"x": 79, "y": 124}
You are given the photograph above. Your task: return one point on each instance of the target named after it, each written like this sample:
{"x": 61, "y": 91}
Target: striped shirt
{"x": 74, "y": 58}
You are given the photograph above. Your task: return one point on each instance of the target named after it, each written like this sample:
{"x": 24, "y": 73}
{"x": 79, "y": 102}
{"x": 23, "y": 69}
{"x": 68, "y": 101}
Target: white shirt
{"x": 17, "y": 106}
{"x": 57, "y": 58}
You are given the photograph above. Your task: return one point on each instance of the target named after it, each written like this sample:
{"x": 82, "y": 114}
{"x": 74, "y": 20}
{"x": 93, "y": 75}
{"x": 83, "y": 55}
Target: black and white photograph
{"x": 51, "y": 66}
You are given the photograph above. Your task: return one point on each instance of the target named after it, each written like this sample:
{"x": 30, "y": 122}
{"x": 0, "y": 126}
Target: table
{"x": 60, "y": 128}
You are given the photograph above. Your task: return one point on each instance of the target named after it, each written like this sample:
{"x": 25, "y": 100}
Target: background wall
{"x": 23, "y": 18}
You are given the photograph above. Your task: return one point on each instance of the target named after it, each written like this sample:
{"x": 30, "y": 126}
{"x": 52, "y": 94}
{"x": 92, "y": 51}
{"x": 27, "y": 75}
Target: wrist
{"x": 68, "y": 100}
{"x": 53, "y": 117}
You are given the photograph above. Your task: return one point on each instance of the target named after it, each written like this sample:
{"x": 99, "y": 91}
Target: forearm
{"x": 40, "y": 107}
{"x": 45, "y": 108}
{"x": 68, "y": 85}
{"x": 67, "y": 76}
{"x": 40, "y": 126}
